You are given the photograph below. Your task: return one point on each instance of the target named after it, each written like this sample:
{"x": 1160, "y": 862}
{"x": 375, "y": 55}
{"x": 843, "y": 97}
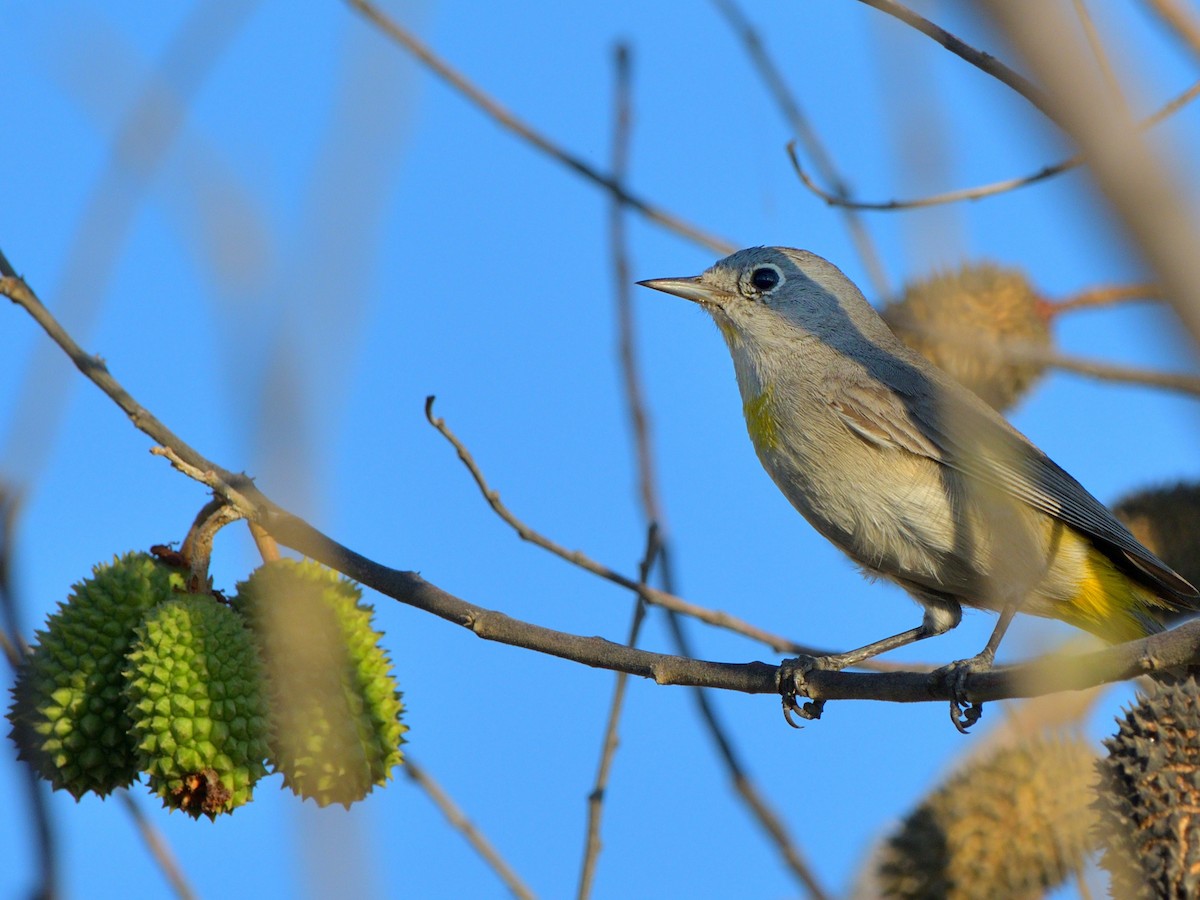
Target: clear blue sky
{"x": 329, "y": 235}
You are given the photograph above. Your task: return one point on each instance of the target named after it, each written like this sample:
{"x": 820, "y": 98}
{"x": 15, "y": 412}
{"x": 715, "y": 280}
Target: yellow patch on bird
{"x": 760, "y": 420}
{"x": 732, "y": 338}
{"x": 1110, "y": 604}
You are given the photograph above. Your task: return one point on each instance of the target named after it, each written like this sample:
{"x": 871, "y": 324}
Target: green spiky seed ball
{"x": 1013, "y": 823}
{"x": 195, "y": 696}
{"x": 942, "y": 315}
{"x": 68, "y": 717}
{"x": 1167, "y": 520}
{"x": 335, "y": 709}
{"x": 1150, "y": 794}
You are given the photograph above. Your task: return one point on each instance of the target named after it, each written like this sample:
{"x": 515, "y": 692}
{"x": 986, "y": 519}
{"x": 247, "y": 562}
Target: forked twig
{"x": 833, "y": 198}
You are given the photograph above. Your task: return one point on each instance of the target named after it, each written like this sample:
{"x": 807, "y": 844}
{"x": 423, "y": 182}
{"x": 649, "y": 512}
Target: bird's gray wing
{"x": 952, "y": 427}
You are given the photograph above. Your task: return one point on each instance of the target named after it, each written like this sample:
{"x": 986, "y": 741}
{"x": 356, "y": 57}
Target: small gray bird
{"x": 914, "y": 477}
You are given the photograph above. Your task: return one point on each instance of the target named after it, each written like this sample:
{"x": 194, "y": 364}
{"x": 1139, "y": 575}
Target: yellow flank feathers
{"x": 1110, "y": 604}
{"x": 760, "y": 420}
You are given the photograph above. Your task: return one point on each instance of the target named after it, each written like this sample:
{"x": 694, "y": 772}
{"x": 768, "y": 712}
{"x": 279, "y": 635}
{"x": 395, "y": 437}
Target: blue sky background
{"x": 331, "y": 234}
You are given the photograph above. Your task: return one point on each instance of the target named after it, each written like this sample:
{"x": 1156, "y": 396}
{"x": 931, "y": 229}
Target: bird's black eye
{"x": 765, "y": 278}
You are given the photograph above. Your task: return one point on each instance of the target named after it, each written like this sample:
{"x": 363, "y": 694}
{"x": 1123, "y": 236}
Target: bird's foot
{"x": 963, "y": 711}
{"x": 792, "y": 682}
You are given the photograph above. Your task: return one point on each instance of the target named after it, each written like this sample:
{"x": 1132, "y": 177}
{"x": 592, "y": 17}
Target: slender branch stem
{"x": 985, "y": 62}
{"x": 158, "y": 847}
{"x": 458, "y": 819}
{"x": 582, "y": 560}
{"x": 1180, "y": 646}
{"x": 777, "y": 86}
{"x": 832, "y": 197}
{"x": 491, "y": 108}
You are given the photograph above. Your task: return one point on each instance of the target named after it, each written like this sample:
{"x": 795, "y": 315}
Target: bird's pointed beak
{"x": 687, "y": 288}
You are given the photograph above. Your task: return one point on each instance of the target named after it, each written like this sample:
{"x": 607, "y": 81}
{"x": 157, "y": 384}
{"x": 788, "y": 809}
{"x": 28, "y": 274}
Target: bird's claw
{"x": 964, "y": 712}
{"x": 792, "y": 682}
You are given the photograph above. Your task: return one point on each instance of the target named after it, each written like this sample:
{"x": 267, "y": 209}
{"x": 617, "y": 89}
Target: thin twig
{"x": 608, "y": 745}
{"x": 978, "y": 192}
{"x": 578, "y": 558}
{"x": 745, "y": 786}
{"x": 1095, "y": 298}
{"x": 653, "y": 515}
{"x": 985, "y": 62}
{"x": 457, "y": 818}
{"x": 1047, "y": 675}
{"x": 1140, "y": 181}
{"x": 527, "y": 133}
{"x": 1179, "y": 20}
{"x": 622, "y": 129}
{"x": 789, "y": 106}
{"x": 1027, "y": 352}
{"x": 16, "y": 650}
{"x": 158, "y": 847}
{"x": 1097, "y": 45}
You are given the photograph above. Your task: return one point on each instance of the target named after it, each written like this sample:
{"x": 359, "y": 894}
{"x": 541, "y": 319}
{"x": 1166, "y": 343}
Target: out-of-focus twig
{"x": 803, "y": 131}
{"x": 1179, "y": 20}
{"x": 141, "y": 143}
{"x": 1095, "y": 298}
{"x": 985, "y": 62}
{"x": 527, "y": 133}
{"x": 980, "y": 191}
{"x": 1093, "y": 38}
{"x": 457, "y": 818}
{"x": 16, "y": 650}
{"x": 1026, "y": 352}
{"x": 158, "y": 847}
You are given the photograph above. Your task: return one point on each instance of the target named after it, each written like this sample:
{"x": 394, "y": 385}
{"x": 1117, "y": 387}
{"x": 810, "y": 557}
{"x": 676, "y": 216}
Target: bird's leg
{"x": 964, "y": 713}
{"x": 793, "y": 673}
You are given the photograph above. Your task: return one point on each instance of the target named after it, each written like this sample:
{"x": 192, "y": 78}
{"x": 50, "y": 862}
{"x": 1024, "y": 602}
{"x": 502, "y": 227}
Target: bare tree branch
{"x": 1111, "y": 295}
{"x": 1179, "y": 20}
{"x": 582, "y": 560}
{"x": 158, "y": 847}
{"x": 985, "y": 62}
{"x": 527, "y": 133}
{"x": 458, "y": 819}
{"x": 1178, "y": 647}
{"x": 833, "y": 198}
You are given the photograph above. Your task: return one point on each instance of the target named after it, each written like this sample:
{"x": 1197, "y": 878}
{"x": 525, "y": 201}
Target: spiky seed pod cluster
{"x": 1013, "y": 823}
{"x": 949, "y": 316}
{"x": 1150, "y": 793}
{"x": 1167, "y": 520}
{"x": 195, "y": 697}
{"x": 68, "y": 715}
{"x": 335, "y": 710}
